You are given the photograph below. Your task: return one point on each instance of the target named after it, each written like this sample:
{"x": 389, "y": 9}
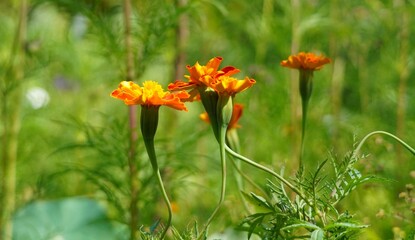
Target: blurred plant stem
{"x": 266, "y": 19}
{"x": 182, "y": 36}
{"x": 132, "y": 116}
{"x": 295, "y": 45}
{"x": 11, "y": 105}
{"x": 400, "y": 141}
{"x": 181, "y": 39}
{"x": 337, "y": 75}
{"x": 403, "y": 22}
{"x": 336, "y": 97}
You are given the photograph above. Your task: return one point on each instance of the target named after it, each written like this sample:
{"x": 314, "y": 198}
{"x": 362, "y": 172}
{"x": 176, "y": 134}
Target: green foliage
{"x": 282, "y": 217}
{"x": 77, "y": 143}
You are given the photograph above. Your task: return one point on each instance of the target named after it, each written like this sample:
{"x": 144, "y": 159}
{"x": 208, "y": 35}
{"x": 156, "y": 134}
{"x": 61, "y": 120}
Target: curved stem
{"x": 166, "y": 200}
{"x": 149, "y": 143}
{"x": 409, "y": 148}
{"x": 265, "y": 169}
{"x": 222, "y": 146}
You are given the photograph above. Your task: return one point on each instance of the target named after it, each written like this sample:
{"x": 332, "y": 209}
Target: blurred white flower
{"x": 37, "y": 97}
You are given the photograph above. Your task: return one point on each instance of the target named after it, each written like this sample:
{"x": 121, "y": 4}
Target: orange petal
{"x": 214, "y": 63}
{"x": 231, "y": 86}
{"x": 305, "y": 61}
{"x": 180, "y": 85}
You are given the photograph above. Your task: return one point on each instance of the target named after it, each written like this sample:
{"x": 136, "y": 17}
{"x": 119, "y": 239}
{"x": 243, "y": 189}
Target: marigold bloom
{"x": 305, "y": 61}
{"x": 209, "y": 76}
{"x": 151, "y": 94}
{"x": 230, "y": 85}
{"x": 236, "y": 115}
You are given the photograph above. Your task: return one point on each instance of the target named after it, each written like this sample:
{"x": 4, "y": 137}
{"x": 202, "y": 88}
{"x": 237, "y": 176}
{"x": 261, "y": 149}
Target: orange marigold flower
{"x": 151, "y": 94}
{"x": 229, "y": 85}
{"x": 305, "y": 61}
{"x": 236, "y": 115}
{"x": 201, "y": 76}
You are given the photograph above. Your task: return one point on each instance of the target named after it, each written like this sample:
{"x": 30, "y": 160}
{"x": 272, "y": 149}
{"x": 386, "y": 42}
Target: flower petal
{"x": 305, "y": 61}
{"x": 151, "y": 94}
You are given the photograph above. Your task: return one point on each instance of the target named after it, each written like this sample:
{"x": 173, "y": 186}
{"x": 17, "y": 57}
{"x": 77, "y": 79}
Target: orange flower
{"x": 305, "y": 61}
{"x": 151, "y": 94}
{"x": 202, "y": 76}
{"x": 230, "y": 85}
{"x": 236, "y": 115}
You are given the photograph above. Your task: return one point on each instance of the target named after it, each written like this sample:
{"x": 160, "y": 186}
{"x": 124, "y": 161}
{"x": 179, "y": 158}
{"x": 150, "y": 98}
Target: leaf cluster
{"x": 316, "y": 215}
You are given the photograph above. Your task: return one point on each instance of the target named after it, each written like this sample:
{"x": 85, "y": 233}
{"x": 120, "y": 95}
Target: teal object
{"x": 67, "y": 219}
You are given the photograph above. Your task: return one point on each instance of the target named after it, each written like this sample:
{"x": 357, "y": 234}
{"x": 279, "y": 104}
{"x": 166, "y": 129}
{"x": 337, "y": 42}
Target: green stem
{"x": 223, "y": 113}
{"x": 409, "y": 148}
{"x": 222, "y": 146}
{"x": 148, "y": 123}
{"x": 149, "y": 143}
{"x": 265, "y": 169}
{"x": 166, "y": 200}
{"x": 303, "y": 126}
{"x": 305, "y": 87}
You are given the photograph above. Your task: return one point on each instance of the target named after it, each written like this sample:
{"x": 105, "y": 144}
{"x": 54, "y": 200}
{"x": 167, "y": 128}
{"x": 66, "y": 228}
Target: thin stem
{"x": 404, "y": 71}
{"x": 149, "y": 122}
{"x": 222, "y": 146}
{"x": 303, "y": 126}
{"x": 305, "y": 88}
{"x": 265, "y": 169}
{"x": 166, "y": 200}
{"x": 149, "y": 143}
{"x": 409, "y": 148}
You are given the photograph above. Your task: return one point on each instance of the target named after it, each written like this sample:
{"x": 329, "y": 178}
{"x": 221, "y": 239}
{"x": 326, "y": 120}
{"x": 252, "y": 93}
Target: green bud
{"x": 209, "y": 99}
{"x": 148, "y": 122}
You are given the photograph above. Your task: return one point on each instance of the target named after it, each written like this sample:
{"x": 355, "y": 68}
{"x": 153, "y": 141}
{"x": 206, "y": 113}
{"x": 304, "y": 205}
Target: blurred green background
{"x": 73, "y": 136}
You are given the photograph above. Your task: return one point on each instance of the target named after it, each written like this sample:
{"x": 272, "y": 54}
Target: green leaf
{"x": 258, "y": 201}
{"x": 317, "y": 234}
{"x": 345, "y": 225}
{"x": 300, "y": 225}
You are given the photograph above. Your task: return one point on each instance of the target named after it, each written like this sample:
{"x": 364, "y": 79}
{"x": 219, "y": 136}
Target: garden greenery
{"x": 76, "y": 164}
